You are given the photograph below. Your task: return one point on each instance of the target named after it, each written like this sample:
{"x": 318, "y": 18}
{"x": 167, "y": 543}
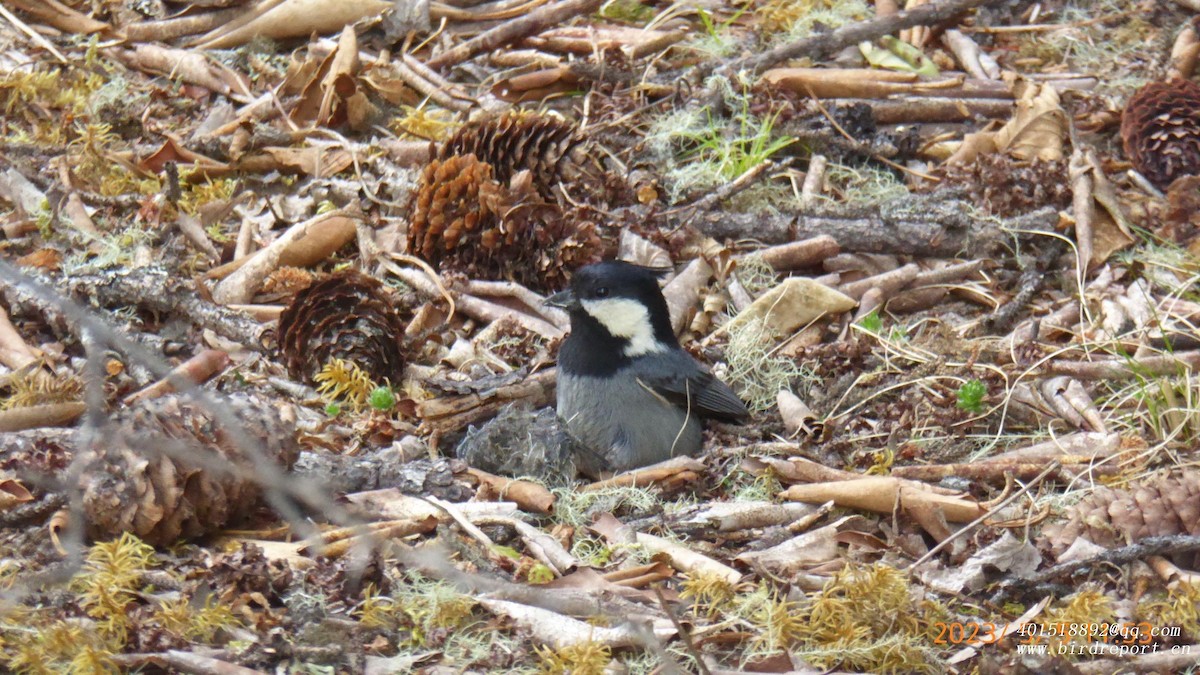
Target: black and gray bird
{"x": 628, "y": 394}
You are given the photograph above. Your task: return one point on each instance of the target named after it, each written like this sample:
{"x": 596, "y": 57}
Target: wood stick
{"x": 510, "y": 31}
{"x": 194, "y": 371}
{"x": 824, "y": 44}
{"x": 798, "y": 254}
{"x": 1125, "y": 369}
{"x": 168, "y": 29}
{"x": 889, "y": 283}
{"x": 929, "y": 226}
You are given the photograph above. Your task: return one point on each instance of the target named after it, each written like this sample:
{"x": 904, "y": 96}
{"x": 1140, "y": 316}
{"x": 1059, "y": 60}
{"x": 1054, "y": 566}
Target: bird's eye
{"x": 602, "y": 292}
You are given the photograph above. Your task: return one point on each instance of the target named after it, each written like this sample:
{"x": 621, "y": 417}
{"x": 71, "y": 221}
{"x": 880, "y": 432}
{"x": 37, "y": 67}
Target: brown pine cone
{"x": 346, "y": 316}
{"x": 1006, "y": 186}
{"x": 457, "y": 197}
{"x": 167, "y": 470}
{"x": 1161, "y": 130}
{"x": 464, "y": 220}
{"x": 551, "y": 149}
{"x": 1160, "y": 506}
{"x": 1181, "y": 222}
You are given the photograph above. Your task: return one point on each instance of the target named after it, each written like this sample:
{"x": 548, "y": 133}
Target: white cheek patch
{"x": 628, "y": 320}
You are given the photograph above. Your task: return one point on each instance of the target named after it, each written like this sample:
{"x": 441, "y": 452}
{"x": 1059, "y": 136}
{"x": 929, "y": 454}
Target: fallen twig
{"x": 991, "y": 511}
{"x": 1150, "y": 546}
{"x": 510, "y": 31}
{"x": 823, "y": 44}
{"x": 1124, "y": 369}
{"x": 798, "y": 254}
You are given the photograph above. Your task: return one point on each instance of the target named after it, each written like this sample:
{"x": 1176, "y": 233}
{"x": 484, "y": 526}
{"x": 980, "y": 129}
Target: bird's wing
{"x": 690, "y": 385}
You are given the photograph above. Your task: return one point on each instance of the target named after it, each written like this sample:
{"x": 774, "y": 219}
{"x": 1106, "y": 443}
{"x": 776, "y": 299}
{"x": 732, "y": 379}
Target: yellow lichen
{"x": 181, "y": 619}
{"x": 110, "y": 580}
{"x": 423, "y": 123}
{"x": 710, "y": 594}
{"x": 37, "y": 386}
{"x": 585, "y": 658}
{"x": 343, "y": 382}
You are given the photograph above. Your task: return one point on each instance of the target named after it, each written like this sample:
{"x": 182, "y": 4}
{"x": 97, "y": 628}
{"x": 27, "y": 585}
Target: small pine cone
{"x": 1161, "y": 506}
{"x": 167, "y": 469}
{"x": 583, "y": 247}
{"x": 346, "y": 316}
{"x": 1006, "y": 186}
{"x": 551, "y": 149}
{"x": 1181, "y": 222}
{"x": 1161, "y": 130}
{"x": 287, "y": 281}
{"x": 457, "y": 198}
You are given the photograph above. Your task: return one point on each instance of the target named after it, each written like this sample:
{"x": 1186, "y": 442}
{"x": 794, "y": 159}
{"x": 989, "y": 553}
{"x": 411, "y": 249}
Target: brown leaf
{"x": 1038, "y": 127}
{"x": 60, "y": 16}
{"x": 12, "y": 493}
{"x": 291, "y": 18}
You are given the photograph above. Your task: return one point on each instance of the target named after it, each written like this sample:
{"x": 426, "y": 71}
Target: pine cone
{"x": 464, "y": 220}
{"x": 346, "y": 316}
{"x": 1005, "y": 186}
{"x": 1161, "y": 506}
{"x": 457, "y": 197}
{"x": 1181, "y": 222}
{"x": 551, "y": 149}
{"x": 166, "y": 469}
{"x": 1161, "y": 130}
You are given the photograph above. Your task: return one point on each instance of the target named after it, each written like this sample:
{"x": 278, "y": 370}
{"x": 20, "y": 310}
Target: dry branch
{"x": 933, "y": 226}
{"x": 824, "y": 44}
{"x": 510, "y": 31}
{"x": 454, "y": 413}
{"x": 150, "y": 288}
{"x": 1124, "y": 369}
{"x": 1150, "y": 546}
{"x": 798, "y": 254}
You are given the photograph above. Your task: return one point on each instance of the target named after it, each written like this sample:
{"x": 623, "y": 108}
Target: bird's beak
{"x": 564, "y": 299}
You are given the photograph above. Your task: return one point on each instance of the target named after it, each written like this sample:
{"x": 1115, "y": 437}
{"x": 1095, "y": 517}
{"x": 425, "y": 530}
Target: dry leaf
{"x": 12, "y": 493}
{"x": 1038, "y": 127}
{"x": 801, "y": 552}
{"x": 560, "y": 631}
{"x": 1102, "y": 231}
{"x": 640, "y": 251}
{"x": 882, "y": 494}
{"x": 187, "y": 66}
{"x": 60, "y": 16}
{"x": 685, "y": 559}
{"x": 843, "y": 82}
{"x": 291, "y": 18}
{"x": 792, "y": 304}
{"x": 1007, "y": 554}
{"x": 797, "y": 416}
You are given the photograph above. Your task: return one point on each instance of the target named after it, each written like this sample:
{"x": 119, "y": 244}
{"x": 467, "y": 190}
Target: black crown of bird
{"x": 628, "y": 394}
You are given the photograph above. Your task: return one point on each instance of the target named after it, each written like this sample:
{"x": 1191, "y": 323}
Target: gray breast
{"x": 620, "y": 425}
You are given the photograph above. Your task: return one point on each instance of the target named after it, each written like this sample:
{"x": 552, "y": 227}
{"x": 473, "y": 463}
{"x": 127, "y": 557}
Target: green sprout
{"x": 382, "y": 399}
{"x": 627, "y": 11}
{"x": 971, "y": 395}
{"x": 871, "y": 323}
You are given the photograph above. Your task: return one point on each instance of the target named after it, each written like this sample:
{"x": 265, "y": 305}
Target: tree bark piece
{"x": 454, "y": 413}
{"x": 931, "y": 226}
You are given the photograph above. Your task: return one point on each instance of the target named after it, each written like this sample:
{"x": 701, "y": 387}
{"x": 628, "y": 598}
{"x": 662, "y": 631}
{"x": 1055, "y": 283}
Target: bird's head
{"x": 620, "y": 303}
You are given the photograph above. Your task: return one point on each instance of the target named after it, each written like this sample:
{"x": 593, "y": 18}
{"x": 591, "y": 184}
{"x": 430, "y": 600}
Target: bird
{"x": 627, "y": 394}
